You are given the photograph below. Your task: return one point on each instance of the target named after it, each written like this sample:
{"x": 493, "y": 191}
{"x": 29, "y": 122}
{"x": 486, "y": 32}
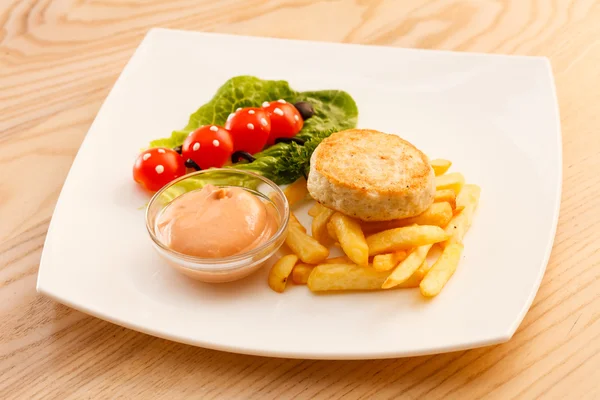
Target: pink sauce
{"x": 216, "y": 222}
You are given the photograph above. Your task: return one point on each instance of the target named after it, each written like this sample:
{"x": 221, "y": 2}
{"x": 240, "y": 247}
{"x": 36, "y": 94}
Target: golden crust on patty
{"x": 371, "y": 175}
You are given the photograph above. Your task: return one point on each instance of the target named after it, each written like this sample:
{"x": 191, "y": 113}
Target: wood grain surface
{"x": 59, "y": 59}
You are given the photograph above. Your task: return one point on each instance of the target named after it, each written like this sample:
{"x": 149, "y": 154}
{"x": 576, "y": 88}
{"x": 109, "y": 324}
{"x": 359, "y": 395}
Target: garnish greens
{"x": 283, "y": 163}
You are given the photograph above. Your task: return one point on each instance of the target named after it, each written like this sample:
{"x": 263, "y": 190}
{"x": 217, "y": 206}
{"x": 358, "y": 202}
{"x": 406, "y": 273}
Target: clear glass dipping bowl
{"x": 224, "y": 269}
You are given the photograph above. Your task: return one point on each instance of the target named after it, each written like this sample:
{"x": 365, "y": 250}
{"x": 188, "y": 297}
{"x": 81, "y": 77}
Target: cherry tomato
{"x": 209, "y": 146}
{"x": 286, "y": 121}
{"x": 154, "y": 168}
{"x": 249, "y": 128}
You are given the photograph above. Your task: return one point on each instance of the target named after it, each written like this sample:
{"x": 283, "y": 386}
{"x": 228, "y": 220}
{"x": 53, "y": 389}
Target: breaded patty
{"x": 370, "y": 175}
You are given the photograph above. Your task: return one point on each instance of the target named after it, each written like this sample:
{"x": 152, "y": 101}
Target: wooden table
{"x": 59, "y": 59}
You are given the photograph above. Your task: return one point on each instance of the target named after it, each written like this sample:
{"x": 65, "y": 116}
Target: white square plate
{"x": 494, "y": 116}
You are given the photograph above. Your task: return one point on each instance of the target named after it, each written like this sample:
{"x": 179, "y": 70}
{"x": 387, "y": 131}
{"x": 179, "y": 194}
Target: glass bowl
{"x": 229, "y": 268}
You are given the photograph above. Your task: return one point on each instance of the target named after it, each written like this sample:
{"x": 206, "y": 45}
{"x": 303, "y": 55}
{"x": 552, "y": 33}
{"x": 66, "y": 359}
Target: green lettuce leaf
{"x": 240, "y": 91}
{"x": 335, "y": 110}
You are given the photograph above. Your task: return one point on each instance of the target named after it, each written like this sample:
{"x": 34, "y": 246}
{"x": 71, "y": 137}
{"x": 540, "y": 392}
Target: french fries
{"x": 301, "y": 272}
{"x": 296, "y": 191}
{"x": 338, "y": 260}
{"x": 351, "y": 238}
{"x": 319, "y": 226}
{"x": 331, "y": 231}
{"x": 460, "y": 224}
{"x": 334, "y": 277}
{"x": 305, "y": 247}
{"x": 326, "y": 277}
{"x": 398, "y": 248}
{"x": 441, "y": 272}
{"x": 457, "y": 210}
{"x": 280, "y": 271}
{"x": 416, "y": 278}
{"x": 440, "y": 166}
{"x": 294, "y": 221}
{"x": 316, "y": 209}
{"x": 408, "y": 267}
{"x": 404, "y": 238}
{"x": 438, "y": 214}
{"x": 386, "y": 262}
{"x": 445, "y": 195}
{"x": 454, "y": 181}
{"x": 470, "y": 196}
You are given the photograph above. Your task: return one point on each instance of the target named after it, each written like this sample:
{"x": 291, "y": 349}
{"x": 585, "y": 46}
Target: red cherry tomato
{"x": 154, "y": 168}
{"x": 249, "y": 128}
{"x": 209, "y": 146}
{"x": 286, "y": 121}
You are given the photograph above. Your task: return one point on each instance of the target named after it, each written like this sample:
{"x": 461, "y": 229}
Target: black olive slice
{"x": 305, "y": 109}
{"x": 189, "y": 163}
{"x": 238, "y": 155}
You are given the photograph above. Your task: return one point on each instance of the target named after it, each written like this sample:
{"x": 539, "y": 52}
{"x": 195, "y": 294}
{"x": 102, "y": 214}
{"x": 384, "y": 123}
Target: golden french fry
{"x": 404, "y": 238}
{"x": 351, "y": 238}
{"x": 441, "y": 271}
{"x": 319, "y": 226}
{"x": 445, "y": 195}
{"x": 408, "y": 267}
{"x": 305, "y": 247}
{"x": 316, "y": 209}
{"x": 440, "y": 166}
{"x": 470, "y": 196}
{"x": 438, "y": 214}
{"x": 416, "y": 278}
{"x": 294, "y": 222}
{"x": 338, "y": 260}
{"x": 326, "y": 277}
{"x": 331, "y": 231}
{"x": 301, "y": 272}
{"x": 332, "y": 277}
{"x": 460, "y": 224}
{"x": 454, "y": 181}
{"x": 296, "y": 191}
{"x": 280, "y": 271}
{"x": 386, "y": 262}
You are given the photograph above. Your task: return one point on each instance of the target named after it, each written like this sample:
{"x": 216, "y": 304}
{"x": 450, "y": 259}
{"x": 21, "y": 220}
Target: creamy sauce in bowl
{"x": 215, "y": 222}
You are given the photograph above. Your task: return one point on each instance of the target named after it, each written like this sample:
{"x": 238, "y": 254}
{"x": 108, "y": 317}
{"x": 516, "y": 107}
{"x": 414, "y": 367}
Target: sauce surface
{"x": 216, "y": 222}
